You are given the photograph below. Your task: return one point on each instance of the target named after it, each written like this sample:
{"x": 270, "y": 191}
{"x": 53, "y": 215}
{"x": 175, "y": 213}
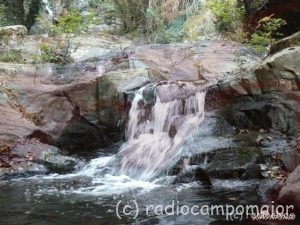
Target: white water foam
{"x": 154, "y": 137}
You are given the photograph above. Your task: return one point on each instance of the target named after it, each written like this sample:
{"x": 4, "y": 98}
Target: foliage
{"x": 33, "y": 10}
{"x": 200, "y": 25}
{"x": 11, "y": 55}
{"x": 63, "y": 31}
{"x": 172, "y": 33}
{"x": 258, "y": 3}
{"x": 166, "y": 19}
{"x": 53, "y": 54}
{"x": 267, "y": 33}
{"x": 73, "y": 23}
{"x": 161, "y": 20}
{"x": 3, "y": 20}
{"x": 131, "y": 12}
{"x": 229, "y": 15}
{"x": 19, "y": 12}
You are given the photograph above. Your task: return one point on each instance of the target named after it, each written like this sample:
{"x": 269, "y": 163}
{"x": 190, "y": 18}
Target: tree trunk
{"x": 34, "y": 9}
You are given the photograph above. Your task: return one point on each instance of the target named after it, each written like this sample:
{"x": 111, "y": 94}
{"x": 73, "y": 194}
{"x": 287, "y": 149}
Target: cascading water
{"x": 154, "y": 133}
{"x": 48, "y": 9}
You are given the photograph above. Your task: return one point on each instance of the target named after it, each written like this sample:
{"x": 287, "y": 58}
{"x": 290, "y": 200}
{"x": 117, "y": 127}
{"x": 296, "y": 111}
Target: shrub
{"x": 229, "y": 15}
{"x": 267, "y": 32}
{"x": 166, "y": 19}
{"x": 131, "y": 12}
{"x": 200, "y": 25}
{"x": 3, "y": 19}
{"x": 68, "y": 25}
{"x": 11, "y": 55}
{"x": 172, "y": 33}
{"x": 54, "y": 54}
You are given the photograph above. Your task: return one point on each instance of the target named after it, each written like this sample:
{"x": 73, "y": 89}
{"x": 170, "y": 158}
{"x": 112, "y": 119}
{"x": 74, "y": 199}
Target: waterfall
{"x": 155, "y": 131}
{"x": 48, "y": 9}
{"x": 158, "y": 126}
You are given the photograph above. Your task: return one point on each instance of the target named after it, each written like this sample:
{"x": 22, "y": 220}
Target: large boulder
{"x": 290, "y": 193}
{"x": 280, "y": 72}
{"x": 291, "y": 41}
{"x": 224, "y": 151}
{"x": 58, "y": 163}
{"x": 32, "y": 157}
{"x": 87, "y": 115}
{"x": 268, "y": 111}
{"x": 241, "y": 162}
{"x": 11, "y": 34}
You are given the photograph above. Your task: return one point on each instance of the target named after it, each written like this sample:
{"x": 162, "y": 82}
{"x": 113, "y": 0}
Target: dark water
{"x": 40, "y": 201}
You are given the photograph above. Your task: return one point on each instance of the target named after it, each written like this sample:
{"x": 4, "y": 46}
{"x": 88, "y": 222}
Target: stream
{"x": 137, "y": 176}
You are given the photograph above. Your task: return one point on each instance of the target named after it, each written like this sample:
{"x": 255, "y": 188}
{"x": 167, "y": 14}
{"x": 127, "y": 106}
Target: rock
{"x": 84, "y": 53}
{"x": 192, "y": 174}
{"x": 269, "y": 111}
{"x": 225, "y": 153}
{"x": 57, "y": 163}
{"x": 229, "y": 90}
{"x": 266, "y": 187}
{"x": 169, "y": 91}
{"x": 30, "y": 157}
{"x": 87, "y": 115}
{"x": 290, "y": 192}
{"x": 186, "y": 62}
{"x": 22, "y": 159}
{"x": 11, "y": 34}
{"x": 291, "y": 41}
{"x": 291, "y": 159}
{"x": 280, "y": 72}
{"x": 79, "y": 5}
{"x": 56, "y": 107}
{"x": 235, "y": 163}
{"x": 14, "y": 127}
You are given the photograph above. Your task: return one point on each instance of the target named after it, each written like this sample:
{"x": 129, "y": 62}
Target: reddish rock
{"x": 290, "y": 193}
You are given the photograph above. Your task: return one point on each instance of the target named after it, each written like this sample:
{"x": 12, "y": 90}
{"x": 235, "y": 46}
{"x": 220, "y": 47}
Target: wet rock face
{"x": 224, "y": 150}
{"x": 235, "y": 163}
{"x": 192, "y": 174}
{"x": 81, "y": 116}
{"x": 54, "y": 162}
{"x": 32, "y": 157}
{"x": 85, "y": 115}
{"x": 269, "y": 111}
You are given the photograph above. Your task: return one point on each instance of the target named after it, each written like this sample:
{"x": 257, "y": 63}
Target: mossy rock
{"x": 233, "y": 163}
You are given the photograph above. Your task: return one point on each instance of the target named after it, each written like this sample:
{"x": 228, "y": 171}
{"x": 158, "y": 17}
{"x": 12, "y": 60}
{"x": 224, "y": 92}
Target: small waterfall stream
{"x": 154, "y": 133}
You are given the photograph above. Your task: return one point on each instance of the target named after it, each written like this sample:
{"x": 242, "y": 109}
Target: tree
{"x": 33, "y": 12}
{"x": 15, "y": 12}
